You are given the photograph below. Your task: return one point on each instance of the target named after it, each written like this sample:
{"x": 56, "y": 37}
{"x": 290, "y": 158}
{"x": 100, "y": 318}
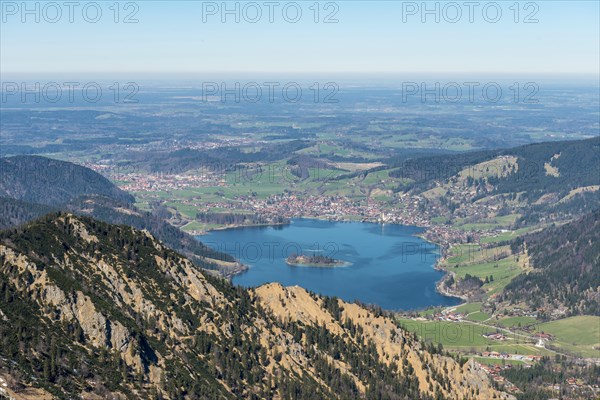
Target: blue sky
{"x": 369, "y": 37}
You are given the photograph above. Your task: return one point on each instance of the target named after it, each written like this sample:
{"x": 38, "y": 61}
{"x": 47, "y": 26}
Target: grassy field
{"x": 578, "y": 335}
{"x": 493, "y": 265}
{"x": 495, "y": 361}
{"x": 440, "y": 220}
{"x": 430, "y": 311}
{"x": 502, "y": 271}
{"x": 502, "y": 222}
{"x": 469, "y": 308}
{"x": 185, "y": 209}
{"x": 464, "y": 253}
{"x": 473, "y": 253}
{"x": 504, "y": 236}
{"x": 467, "y": 337}
{"x": 511, "y": 322}
{"x": 198, "y": 226}
{"x": 478, "y": 316}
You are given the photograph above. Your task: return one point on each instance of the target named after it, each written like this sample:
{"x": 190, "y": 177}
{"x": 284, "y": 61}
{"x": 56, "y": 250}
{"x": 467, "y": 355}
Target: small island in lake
{"x": 315, "y": 261}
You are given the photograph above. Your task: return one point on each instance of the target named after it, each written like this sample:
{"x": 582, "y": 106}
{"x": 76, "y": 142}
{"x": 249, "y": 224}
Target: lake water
{"x": 390, "y": 266}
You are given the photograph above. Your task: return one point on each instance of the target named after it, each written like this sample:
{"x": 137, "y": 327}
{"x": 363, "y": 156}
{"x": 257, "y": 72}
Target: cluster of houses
{"x": 494, "y": 371}
{"x": 517, "y": 312}
{"x": 135, "y": 182}
{"x": 576, "y": 385}
{"x": 574, "y": 382}
{"x": 496, "y": 336}
{"x": 515, "y": 357}
{"x": 449, "y": 316}
{"x": 405, "y": 209}
{"x": 543, "y": 336}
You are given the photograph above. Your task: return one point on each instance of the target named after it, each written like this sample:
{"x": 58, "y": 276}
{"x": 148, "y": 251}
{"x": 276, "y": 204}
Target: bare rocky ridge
{"x": 392, "y": 343}
{"x": 112, "y": 313}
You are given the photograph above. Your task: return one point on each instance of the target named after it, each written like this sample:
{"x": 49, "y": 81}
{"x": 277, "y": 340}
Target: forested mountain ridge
{"x": 52, "y": 182}
{"x": 530, "y": 171}
{"x": 566, "y": 268}
{"x": 16, "y": 212}
{"x": 115, "y": 212}
{"x": 541, "y": 182}
{"x": 210, "y": 159}
{"x": 573, "y": 164}
{"x": 32, "y": 186}
{"x": 108, "y": 311}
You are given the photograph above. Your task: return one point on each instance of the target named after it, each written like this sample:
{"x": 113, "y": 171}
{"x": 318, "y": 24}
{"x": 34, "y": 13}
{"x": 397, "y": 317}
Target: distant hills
{"x": 220, "y": 159}
{"x": 540, "y": 182}
{"x": 94, "y": 310}
{"x": 32, "y": 186}
{"x": 51, "y": 182}
{"x": 540, "y": 167}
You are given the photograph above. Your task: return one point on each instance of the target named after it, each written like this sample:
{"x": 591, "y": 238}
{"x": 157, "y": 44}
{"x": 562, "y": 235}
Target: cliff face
{"x": 103, "y": 311}
{"x": 392, "y": 345}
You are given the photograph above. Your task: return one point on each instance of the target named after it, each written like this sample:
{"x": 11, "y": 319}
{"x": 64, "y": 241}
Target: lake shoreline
{"x": 440, "y": 286}
{"x": 233, "y": 227}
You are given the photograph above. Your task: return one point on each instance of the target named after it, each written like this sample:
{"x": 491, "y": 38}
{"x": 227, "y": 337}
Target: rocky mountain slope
{"x": 97, "y": 311}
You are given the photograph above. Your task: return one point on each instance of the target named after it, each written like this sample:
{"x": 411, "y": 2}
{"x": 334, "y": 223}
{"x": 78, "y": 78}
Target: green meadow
{"x": 467, "y": 337}
{"x": 579, "y": 335}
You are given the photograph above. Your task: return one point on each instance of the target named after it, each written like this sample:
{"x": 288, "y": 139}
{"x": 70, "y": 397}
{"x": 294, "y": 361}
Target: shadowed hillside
{"x": 33, "y": 186}
{"x": 52, "y": 182}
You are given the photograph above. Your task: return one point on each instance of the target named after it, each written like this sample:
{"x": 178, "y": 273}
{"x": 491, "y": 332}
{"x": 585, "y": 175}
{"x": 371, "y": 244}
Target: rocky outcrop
{"x": 126, "y": 317}
{"x": 392, "y": 343}
{"x": 75, "y": 308}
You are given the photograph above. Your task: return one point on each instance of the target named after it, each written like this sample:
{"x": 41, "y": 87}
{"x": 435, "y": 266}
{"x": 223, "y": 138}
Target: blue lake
{"x": 390, "y": 266}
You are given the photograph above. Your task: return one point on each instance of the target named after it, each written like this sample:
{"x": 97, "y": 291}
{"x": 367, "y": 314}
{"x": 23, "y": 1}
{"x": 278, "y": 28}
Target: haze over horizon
{"x": 188, "y": 38}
